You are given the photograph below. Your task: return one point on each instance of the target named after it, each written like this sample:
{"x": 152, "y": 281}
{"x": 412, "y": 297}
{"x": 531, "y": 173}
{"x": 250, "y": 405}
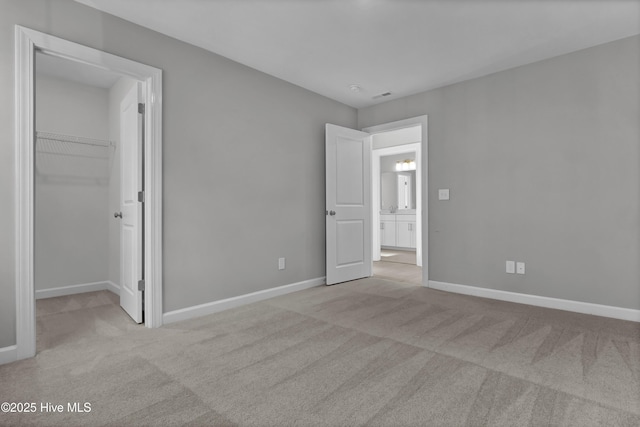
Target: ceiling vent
{"x": 382, "y": 95}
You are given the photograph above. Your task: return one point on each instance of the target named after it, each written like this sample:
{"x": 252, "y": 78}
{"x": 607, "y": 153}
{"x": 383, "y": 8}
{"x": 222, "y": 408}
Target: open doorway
{"x": 398, "y": 219}
{"x": 79, "y": 149}
{"x": 77, "y": 177}
{"x": 78, "y": 153}
{"x": 398, "y": 179}
{"x": 65, "y": 166}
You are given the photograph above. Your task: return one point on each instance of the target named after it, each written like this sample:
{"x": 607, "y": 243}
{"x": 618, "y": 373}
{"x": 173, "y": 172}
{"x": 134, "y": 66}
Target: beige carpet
{"x": 397, "y": 271}
{"x": 368, "y": 352}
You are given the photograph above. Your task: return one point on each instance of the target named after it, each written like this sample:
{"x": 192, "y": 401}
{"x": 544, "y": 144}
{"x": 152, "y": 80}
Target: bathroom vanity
{"x": 398, "y": 230}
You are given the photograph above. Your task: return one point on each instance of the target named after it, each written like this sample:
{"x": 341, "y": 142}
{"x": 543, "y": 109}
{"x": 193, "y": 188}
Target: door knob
{"x": 332, "y": 213}
{"x": 117, "y": 215}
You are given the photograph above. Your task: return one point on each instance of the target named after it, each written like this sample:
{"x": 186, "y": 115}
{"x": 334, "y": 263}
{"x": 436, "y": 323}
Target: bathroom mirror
{"x": 397, "y": 190}
{"x": 388, "y": 191}
{"x": 397, "y": 185}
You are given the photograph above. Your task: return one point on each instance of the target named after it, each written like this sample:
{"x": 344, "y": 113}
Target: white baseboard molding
{"x": 8, "y": 354}
{"x": 225, "y": 304}
{"x": 113, "y": 287}
{"x": 398, "y": 248}
{"x": 539, "y": 301}
{"x": 77, "y": 289}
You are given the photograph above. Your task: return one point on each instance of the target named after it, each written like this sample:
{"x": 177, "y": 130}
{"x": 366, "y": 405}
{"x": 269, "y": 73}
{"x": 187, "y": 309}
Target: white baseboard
{"x": 8, "y": 354}
{"x": 225, "y": 304}
{"x": 539, "y": 301}
{"x": 113, "y": 287}
{"x": 398, "y": 248}
{"x": 77, "y": 289}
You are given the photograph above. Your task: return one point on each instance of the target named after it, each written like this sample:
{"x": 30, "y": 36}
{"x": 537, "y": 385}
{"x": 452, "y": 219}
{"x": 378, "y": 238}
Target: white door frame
{"x": 422, "y": 197}
{"x": 27, "y": 42}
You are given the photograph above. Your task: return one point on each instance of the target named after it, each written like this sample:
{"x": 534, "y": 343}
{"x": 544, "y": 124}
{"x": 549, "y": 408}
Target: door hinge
{"x": 140, "y": 108}
{"x": 141, "y": 196}
{"x": 141, "y": 285}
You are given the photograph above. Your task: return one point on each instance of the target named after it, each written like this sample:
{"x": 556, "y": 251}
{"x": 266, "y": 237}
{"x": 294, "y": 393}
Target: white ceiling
{"x": 400, "y": 46}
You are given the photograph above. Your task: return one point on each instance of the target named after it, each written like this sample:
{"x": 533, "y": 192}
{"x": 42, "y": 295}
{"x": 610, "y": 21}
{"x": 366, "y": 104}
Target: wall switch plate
{"x": 280, "y": 263}
{"x": 511, "y": 267}
{"x": 443, "y": 194}
{"x": 520, "y": 267}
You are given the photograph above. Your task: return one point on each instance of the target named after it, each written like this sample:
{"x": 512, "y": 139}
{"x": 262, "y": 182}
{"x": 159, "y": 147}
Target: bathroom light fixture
{"x": 355, "y": 88}
{"x": 406, "y": 165}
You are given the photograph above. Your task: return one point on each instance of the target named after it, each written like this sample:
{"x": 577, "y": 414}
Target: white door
{"x": 348, "y": 204}
{"x": 131, "y": 256}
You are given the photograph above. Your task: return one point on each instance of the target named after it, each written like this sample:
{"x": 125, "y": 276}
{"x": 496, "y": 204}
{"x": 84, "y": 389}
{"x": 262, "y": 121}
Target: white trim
{"x": 376, "y": 182}
{"x": 422, "y": 174}
{"x": 72, "y": 289}
{"x": 27, "y": 42}
{"x": 153, "y": 200}
{"x": 8, "y": 354}
{"x": 113, "y": 287}
{"x": 24, "y": 196}
{"x": 225, "y": 304}
{"x": 540, "y": 301}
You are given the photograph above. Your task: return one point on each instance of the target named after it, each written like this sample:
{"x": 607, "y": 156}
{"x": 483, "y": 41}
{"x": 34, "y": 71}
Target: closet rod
{"x": 74, "y": 139}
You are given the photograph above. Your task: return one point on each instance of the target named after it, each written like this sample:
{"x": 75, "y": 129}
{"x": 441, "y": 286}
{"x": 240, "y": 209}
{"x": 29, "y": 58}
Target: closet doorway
{"x": 88, "y": 140}
{"x": 88, "y": 179}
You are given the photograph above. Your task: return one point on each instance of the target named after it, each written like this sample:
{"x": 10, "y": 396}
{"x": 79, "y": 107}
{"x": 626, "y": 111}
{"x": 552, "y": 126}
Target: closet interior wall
{"x": 77, "y": 186}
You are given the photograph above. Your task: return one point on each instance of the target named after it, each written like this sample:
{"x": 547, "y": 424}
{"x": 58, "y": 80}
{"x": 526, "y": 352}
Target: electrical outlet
{"x": 511, "y": 267}
{"x": 520, "y": 267}
{"x": 280, "y": 263}
{"x": 443, "y": 194}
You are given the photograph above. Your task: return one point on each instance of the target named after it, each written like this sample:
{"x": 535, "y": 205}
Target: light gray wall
{"x": 543, "y": 166}
{"x": 243, "y": 161}
{"x": 116, "y": 94}
{"x": 71, "y": 206}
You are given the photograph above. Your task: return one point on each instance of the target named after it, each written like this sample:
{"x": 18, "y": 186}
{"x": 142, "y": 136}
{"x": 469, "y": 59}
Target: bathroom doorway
{"x": 398, "y": 211}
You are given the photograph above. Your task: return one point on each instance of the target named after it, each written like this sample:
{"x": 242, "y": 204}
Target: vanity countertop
{"x": 398, "y": 212}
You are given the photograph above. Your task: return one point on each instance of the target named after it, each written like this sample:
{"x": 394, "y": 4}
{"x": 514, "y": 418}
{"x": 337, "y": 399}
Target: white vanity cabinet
{"x": 398, "y": 230}
{"x": 406, "y": 231}
{"x": 387, "y": 230}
